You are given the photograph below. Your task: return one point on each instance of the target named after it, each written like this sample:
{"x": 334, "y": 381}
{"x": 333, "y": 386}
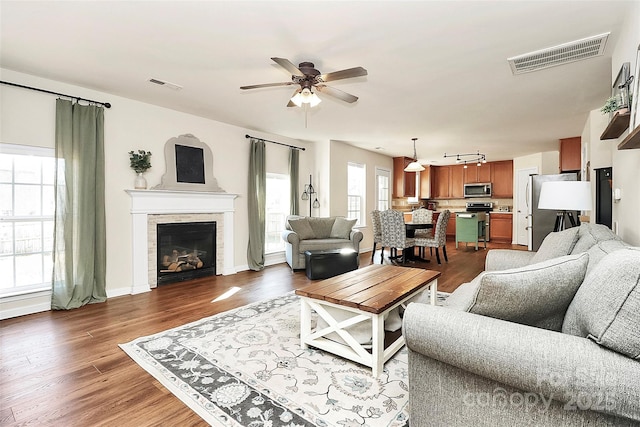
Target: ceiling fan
{"x": 308, "y": 77}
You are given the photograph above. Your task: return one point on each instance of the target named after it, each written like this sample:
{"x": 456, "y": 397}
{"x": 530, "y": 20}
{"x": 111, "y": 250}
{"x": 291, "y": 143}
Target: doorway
{"x": 522, "y": 208}
{"x": 604, "y": 193}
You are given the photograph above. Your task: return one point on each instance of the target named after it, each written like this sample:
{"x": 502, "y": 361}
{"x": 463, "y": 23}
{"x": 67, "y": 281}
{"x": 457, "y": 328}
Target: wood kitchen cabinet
{"x": 502, "y": 179}
{"x": 501, "y": 227}
{"x": 474, "y": 174}
{"x": 404, "y": 183}
{"x": 447, "y": 182}
{"x": 570, "y": 154}
{"x": 425, "y": 182}
{"x": 440, "y": 177}
{"x": 456, "y": 185}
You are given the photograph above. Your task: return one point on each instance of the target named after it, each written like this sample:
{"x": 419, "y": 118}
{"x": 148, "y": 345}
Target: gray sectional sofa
{"x": 308, "y": 234}
{"x": 538, "y": 339}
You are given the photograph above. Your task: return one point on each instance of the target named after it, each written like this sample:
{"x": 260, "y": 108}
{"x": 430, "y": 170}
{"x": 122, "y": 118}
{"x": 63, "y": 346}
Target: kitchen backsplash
{"x": 402, "y": 204}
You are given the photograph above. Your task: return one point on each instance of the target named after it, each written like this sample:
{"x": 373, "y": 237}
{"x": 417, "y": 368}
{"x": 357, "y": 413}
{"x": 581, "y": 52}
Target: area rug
{"x": 245, "y": 367}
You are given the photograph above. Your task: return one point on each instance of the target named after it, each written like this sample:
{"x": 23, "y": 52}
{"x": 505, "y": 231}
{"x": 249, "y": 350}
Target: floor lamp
{"x": 308, "y": 194}
{"x": 565, "y": 197}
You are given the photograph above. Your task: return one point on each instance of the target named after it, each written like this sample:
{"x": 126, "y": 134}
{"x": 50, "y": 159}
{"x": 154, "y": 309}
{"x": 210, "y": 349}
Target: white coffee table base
{"x": 352, "y": 349}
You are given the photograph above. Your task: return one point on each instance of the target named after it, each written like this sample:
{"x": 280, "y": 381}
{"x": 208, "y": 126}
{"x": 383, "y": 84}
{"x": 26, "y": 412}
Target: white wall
{"x": 340, "y": 155}
{"x": 28, "y": 117}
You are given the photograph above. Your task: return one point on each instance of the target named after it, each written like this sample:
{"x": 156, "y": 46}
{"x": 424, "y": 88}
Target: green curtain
{"x": 79, "y": 252}
{"x": 294, "y": 156}
{"x": 257, "y": 201}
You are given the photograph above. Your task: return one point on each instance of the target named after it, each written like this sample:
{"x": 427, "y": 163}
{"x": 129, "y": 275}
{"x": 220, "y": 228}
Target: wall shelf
{"x": 631, "y": 141}
{"x": 618, "y": 124}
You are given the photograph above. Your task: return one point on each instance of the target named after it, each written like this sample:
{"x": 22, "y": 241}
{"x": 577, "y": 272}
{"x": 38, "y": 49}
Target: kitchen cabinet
{"x": 502, "y": 179}
{"x": 474, "y": 174}
{"x": 456, "y": 186}
{"x": 501, "y": 227}
{"x": 447, "y": 182}
{"x": 404, "y": 183}
{"x": 570, "y": 154}
{"x": 440, "y": 177}
{"x": 425, "y": 182}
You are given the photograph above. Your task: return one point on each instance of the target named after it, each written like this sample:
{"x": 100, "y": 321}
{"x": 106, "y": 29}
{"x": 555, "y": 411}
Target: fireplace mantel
{"x": 150, "y": 202}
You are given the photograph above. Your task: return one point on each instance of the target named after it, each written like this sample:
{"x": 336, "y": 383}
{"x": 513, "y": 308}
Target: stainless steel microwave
{"x": 477, "y": 190}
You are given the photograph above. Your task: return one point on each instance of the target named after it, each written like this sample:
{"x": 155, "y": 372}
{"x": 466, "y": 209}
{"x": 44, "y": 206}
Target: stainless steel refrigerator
{"x": 542, "y": 221}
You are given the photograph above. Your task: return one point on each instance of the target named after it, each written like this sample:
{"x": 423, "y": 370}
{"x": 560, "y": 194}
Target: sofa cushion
{"x": 602, "y": 249}
{"x": 322, "y": 226}
{"x": 535, "y": 295}
{"x": 556, "y": 244}
{"x": 590, "y": 234}
{"x": 606, "y": 308}
{"x": 342, "y": 228}
{"x": 302, "y": 228}
{"x": 324, "y": 245}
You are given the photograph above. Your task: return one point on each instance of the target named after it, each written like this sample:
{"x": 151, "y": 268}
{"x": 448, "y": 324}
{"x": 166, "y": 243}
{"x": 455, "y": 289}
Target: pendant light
{"x": 414, "y": 166}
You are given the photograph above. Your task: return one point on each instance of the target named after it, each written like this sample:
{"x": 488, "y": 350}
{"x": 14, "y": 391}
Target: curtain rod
{"x": 106, "y": 104}
{"x": 274, "y": 142}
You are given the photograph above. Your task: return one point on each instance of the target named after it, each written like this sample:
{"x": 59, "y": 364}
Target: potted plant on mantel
{"x": 140, "y": 162}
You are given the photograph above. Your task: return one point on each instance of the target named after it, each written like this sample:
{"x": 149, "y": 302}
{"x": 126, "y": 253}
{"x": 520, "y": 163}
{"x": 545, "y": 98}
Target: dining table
{"x": 411, "y": 228}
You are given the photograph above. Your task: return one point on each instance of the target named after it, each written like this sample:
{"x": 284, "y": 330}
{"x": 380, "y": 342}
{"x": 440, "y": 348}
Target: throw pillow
{"x": 342, "y": 228}
{"x": 321, "y": 226}
{"x": 536, "y": 295}
{"x": 606, "y": 308}
{"x": 302, "y": 228}
{"x": 556, "y": 244}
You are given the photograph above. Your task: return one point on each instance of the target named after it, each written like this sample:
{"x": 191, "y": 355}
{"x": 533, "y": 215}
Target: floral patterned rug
{"x": 245, "y": 367}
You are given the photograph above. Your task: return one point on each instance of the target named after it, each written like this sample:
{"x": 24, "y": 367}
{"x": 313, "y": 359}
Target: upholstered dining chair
{"x": 394, "y": 234}
{"x": 439, "y": 238}
{"x": 422, "y": 216}
{"x": 377, "y": 233}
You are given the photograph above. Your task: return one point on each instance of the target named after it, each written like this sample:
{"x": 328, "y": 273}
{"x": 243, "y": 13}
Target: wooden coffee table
{"x": 363, "y": 295}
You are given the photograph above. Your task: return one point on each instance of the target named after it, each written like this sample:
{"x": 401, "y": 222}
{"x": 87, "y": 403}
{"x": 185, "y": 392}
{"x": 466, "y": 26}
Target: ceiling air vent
{"x": 166, "y": 84}
{"x": 559, "y": 55}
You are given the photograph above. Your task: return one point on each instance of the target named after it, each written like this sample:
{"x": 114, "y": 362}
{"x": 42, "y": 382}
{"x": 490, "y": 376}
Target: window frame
{"x": 45, "y": 250}
{"x": 361, "y": 194}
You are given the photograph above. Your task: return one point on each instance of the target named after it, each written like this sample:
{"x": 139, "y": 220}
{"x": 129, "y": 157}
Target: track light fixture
{"x": 477, "y": 158}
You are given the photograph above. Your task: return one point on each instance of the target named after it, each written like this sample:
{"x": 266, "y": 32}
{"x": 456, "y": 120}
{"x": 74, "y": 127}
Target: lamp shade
{"x": 414, "y": 167}
{"x": 565, "y": 195}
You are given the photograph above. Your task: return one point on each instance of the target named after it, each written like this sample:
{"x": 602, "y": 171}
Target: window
{"x": 26, "y": 218}
{"x": 277, "y": 209}
{"x": 382, "y": 189}
{"x": 356, "y": 186}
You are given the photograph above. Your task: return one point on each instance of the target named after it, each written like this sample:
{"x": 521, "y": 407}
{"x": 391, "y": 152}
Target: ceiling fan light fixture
{"x": 306, "y": 97}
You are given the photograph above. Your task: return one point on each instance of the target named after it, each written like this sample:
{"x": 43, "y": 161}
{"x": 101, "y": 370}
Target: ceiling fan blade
{"x": 288, "y": 65}
{"x": 343, "y": 74}
{"x": 291, "y": 104}
{"x": 331, "y": 91}
{"x": 267, "y": 85}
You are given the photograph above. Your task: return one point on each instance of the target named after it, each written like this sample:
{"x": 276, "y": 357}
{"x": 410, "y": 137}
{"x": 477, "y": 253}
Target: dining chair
{"x": 377, "y": 233}
{"x": 439, "y": 238}
{"x": 394, "y": 234}
{"x": 422, "y": 216}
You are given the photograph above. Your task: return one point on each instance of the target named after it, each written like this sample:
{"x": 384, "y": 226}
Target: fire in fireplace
{"x": 186, "y": 250}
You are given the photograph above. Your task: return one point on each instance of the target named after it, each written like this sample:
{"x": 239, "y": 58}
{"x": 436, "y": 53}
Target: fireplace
{"x": 185, "y": 250}
{"x": 152, "y": 207}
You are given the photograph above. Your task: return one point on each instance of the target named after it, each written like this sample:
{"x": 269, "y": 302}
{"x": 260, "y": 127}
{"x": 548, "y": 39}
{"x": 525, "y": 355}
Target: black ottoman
{"x": 329, "y": 263}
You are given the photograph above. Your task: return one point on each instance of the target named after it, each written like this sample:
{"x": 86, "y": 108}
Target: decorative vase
{"x": 140, "y": 183}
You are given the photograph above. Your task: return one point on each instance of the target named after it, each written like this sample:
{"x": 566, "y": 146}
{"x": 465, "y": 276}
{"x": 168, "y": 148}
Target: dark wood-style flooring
{"x": 64, "y": 368}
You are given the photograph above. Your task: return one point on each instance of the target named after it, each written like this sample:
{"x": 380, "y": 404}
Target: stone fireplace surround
{"x": 150, "y": 207}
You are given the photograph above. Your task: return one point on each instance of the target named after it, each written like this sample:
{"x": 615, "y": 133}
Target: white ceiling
{"x": 438, "y": 70}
